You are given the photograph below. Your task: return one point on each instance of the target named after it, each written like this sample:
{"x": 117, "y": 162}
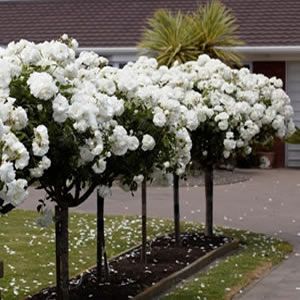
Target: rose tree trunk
{"x": 101, "y": 251}
{"x": 209, "y": 200}
{"x": 62, "y": 251}
{"x": 144, "y": 221}
{"x": 176, "y": 208}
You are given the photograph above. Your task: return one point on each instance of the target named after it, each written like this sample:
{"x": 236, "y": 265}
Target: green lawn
{"x": 28, "y": 253}
{"x": 259, "y": 253}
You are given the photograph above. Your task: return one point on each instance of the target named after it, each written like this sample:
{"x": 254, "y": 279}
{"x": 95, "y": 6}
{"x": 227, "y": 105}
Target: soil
{"x": 129, "y": 277}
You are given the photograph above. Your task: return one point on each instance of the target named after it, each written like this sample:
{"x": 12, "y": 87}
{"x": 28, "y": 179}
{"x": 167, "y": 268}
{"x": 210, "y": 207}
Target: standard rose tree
{"x": 57, "y": 130}
{"x": 154, "y": 115}
{"x": 71, "y": 124}
{"x": 230, "y": 111}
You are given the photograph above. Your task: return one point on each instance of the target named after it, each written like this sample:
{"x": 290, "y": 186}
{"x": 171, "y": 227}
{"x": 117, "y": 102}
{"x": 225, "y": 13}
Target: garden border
{"x": 165, "y": 284}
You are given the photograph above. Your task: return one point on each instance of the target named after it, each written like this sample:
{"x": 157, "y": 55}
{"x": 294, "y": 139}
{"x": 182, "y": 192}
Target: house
{"x": 270, "y": 28}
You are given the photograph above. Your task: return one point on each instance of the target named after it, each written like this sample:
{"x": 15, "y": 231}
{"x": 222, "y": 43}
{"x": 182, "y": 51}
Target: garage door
{"x": 293, "y": 89}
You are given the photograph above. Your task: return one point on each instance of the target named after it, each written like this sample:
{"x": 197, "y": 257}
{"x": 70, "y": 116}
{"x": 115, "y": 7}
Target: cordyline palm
{"x": 170, "y": 38}
{"x": 178, "y": 37}
{"x": 295, "y": 138}
{"x": 211, "y": 30}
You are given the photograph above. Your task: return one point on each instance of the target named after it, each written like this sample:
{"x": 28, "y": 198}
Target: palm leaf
{"x": 218, "y": 30}
{"x": 295, "y": 138}
{"x": 170, "y": 38}
{"x": 212, "y": 30}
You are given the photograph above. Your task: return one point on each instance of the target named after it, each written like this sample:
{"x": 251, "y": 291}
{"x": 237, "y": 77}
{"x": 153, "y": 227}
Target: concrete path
{"x": 269, "y": 203}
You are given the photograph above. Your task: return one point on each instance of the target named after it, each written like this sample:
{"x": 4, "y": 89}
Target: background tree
{"x": 235, "y": 109}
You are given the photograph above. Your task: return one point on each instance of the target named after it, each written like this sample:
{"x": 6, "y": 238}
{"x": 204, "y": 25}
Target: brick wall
{"x": 270, "y": 69}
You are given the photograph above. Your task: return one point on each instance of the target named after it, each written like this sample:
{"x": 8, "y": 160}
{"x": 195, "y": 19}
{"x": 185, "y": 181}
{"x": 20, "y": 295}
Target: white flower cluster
{"x": 235, "y": 106}
{"x": 141, "y": 84}
{"x": 58, "y": 109}
{"x": 47, "y": 97}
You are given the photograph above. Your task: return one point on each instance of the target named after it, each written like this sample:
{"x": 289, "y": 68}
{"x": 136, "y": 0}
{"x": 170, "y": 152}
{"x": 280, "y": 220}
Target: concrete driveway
{"x": 269, "y": 203}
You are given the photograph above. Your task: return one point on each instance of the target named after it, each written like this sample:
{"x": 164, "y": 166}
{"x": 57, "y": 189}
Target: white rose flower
{"x": 277, "y": 82}
{"x": 203, "y": 59}
{"x": 5, "y": 73}
{"x": 159, "y": 119}
{"x": 248, "y": 150}
{"x": 107, "y": 86}
{"x": 30, "y": 55}
{"x": 191, "y": 120}
{"x": 1, "y": 128}
{"x": 291, "y": 127}
{"x": 278, "y": 122}
{"x": 240, "y": 143}
{"x": 36, "y": 172}
{"x": 104, "y": 191}
{"x": 229, "y": 135}
{"x": 6, "y": 109}
{"x": 229, "y": 144}
{"x": 223, "y": 125}
{"x": 138, "y": 179}
{"x": 288, "y": 112}
{"x": 133, "y": 143}
{"x": 281, "y": 132}
{"x": 60, "y": 106}
{"x": 223, "y": 116}
{"x": 148, "y": 142}
{"x": 254, "y": 115}
{"x": 119, "y": 141}
{"x": 45, "y": 163}
{"x": 86, "y": 154}
{"x": 19, "y": 118}
{"x": 42, "y": 85}
{"x": 23, "y": 158}
{"x": 226, "y": 154}
{"x": 7, "y": 172}
{"x": 40, "y": 144}
{"x": 99, "y": 166}
{"x": 16, "y": 191}
{"x": 166, "y": 164}
{"x": 14, "y": 150}
{"x": 180, "y": 171}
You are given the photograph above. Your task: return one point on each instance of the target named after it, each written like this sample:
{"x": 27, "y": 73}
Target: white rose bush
{"x": 154, "y": 115}
{"x": 57, "y": 128}
{"x": 55, "y": 122}
{"x": 231, "y": 111}
{"x": 71, "y": 124}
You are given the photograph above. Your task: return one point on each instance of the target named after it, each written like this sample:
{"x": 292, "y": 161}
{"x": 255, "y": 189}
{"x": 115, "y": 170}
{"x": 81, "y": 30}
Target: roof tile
{"x": 114, "y": 23}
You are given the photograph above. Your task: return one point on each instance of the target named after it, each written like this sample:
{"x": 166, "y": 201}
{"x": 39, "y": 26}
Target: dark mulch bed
{"x": 128, "y": 277}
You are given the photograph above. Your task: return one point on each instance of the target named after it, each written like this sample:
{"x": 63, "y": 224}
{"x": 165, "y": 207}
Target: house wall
{"x": 270, "y": 69}
{"x": 293, "y": 89}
